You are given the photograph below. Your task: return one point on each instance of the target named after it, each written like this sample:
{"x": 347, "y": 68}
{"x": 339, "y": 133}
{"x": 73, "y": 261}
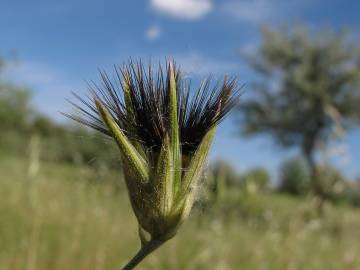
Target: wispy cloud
{"x": 183, "y": 9}
{"x": 254, "y": 11}
{"x": 194, "y": 63}
{"x": 260, "y": 11}
{"x": 153, "y": 32}
{"x": 30, "y": 73}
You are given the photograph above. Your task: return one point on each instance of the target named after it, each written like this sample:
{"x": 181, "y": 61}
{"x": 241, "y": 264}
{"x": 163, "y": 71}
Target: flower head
{"x": 164, "y": 134}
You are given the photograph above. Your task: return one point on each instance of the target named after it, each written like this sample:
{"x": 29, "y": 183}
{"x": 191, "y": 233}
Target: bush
{"x": 15, "y": 110}
{"x": 15, "y": 114}
{"x": 77, "y": 146}
{"x": 256, "y": 179}
{"x": 221, "y": 178}
{"x": 333, "y": 184}
{"x": 294, "y": 177}
{"x": 58, "y": 142}
{"x": 353, "y": 192}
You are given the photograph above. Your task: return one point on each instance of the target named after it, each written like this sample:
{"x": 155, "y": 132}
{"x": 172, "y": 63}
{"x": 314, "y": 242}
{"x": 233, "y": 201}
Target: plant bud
{"x": 164, "y": 138}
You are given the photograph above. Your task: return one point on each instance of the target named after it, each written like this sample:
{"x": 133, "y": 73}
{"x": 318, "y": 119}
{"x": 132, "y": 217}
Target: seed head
{"x": 164, "y": 134}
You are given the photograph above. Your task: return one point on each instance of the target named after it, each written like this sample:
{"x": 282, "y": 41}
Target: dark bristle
{"x": 149, "y": 94}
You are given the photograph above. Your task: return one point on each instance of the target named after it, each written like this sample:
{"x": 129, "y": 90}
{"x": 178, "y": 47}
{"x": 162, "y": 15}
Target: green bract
{"x": 164, "y": 137}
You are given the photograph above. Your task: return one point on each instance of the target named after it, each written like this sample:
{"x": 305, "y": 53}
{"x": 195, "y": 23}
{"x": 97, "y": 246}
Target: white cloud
{"x": 153, "y": 32}
{"x": 183, "y": 9}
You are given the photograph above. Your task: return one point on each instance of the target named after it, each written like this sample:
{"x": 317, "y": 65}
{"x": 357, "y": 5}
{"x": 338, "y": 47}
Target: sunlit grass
{"x": 65, "y": 219}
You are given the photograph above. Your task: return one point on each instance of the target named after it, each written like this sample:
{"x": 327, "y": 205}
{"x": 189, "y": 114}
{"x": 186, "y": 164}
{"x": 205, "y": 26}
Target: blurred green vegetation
{"x": 294, "y": 177}
{"x": 63, "y": 203}
{"x": 63, "y": 142}
{"x": 306, "y": 94}
{"x": 57, "y": 212}
{"x": 70, "y": 143}
{"x": 58, "y": 218}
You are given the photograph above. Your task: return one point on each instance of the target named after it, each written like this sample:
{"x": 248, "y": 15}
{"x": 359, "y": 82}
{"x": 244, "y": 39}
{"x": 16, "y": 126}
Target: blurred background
{"x": 282, "y": 189}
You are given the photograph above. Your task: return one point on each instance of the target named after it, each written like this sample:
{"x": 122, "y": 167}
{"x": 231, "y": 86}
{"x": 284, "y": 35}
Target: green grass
{"x": 66, "y": 218}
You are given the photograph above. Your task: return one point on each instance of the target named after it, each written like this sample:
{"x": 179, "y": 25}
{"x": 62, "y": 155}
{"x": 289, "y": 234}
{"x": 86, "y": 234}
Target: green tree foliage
{"x": 294, "y": 177}
{"x": 308, "y": 91}
{"x": 333, "y": 184}
{"x": 353, "y": 192}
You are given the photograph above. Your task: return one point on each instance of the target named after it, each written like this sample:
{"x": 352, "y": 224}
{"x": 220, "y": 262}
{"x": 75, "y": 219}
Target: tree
{"x": 308, "y": 92}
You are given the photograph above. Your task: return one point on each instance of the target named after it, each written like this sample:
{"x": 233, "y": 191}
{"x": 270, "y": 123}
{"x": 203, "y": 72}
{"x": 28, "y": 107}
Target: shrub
{"x": 294, "y": 177}
{"x": 333, "y": 183}
{"x": 256, "y": 179}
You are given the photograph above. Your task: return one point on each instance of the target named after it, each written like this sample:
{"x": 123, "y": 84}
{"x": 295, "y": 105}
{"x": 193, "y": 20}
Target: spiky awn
{"x": 164, "y": 134}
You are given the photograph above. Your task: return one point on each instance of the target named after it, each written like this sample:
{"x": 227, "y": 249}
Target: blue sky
{"x": 61, "y": 44}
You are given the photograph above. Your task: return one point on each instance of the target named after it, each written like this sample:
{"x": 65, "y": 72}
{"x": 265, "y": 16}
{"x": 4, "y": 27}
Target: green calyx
{"x": 164, "y": 135}
{"x": 161, "y": 194}
{"x": 128, "y": 151}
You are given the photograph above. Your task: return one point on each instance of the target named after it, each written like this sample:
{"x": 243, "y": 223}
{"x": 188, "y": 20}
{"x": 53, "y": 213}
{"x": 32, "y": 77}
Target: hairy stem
{"x": 142, "y": 253}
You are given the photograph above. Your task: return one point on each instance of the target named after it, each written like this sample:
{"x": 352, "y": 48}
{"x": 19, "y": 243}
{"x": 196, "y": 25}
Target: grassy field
{"x": 63, "y": 217}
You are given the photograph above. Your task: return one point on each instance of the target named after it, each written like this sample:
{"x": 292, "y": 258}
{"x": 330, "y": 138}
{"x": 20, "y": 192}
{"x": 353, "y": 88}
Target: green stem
{"x": 142, "y": 253}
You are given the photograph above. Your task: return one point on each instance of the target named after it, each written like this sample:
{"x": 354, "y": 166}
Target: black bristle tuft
{"x": 149, "y": 94}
